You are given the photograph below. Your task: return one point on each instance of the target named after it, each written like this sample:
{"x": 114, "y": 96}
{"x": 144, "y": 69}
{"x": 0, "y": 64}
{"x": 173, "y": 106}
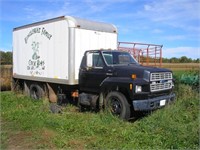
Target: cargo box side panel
{"x": 41, "y": 51}
{"x": 91, "y": 40}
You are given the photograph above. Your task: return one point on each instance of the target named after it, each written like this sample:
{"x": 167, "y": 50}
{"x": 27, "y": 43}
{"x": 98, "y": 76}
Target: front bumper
{"x": 153, "y": 103}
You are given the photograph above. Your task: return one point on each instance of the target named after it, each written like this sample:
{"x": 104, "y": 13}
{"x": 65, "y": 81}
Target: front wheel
{"x": 117, "y": 104}
{"x": 36, "y": 91}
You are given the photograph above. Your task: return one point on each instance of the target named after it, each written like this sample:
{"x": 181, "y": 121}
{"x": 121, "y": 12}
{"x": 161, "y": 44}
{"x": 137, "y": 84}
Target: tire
{"x": 117, "y": 104}
{"x": 36, "y": 91}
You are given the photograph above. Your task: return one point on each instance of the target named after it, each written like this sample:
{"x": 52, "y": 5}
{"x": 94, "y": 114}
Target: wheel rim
{"x": 115, "y": 106}
{"x": 34, "y": 94}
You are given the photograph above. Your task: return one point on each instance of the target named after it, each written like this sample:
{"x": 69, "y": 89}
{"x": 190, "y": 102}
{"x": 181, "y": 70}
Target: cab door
{"x": 93, "y": 72}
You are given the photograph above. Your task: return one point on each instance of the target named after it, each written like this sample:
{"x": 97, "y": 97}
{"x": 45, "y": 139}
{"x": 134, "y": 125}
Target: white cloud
{"x": 96, "y": 6}
{"x": 81, "y": 8}
{"x": 174, "y": 37}
{"x": 177, "y": 13}
{"x": 5, "y": 49}
{"x": 157, "y": 31}
{"x": 55, "y": 9}
{"x": 101, "y": 5}
{"x": 147, "y": 7}
{"x": 190, "y": 52}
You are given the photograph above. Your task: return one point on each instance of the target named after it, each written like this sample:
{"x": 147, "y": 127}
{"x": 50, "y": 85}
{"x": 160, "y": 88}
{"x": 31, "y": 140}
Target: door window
{"x": 94, "y": 60}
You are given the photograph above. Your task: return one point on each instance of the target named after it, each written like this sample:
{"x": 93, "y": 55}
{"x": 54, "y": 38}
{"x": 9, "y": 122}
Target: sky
{"x": 175, "y": 24}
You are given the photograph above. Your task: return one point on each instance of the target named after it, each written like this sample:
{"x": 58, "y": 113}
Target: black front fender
{"x": 117, "y": 84}
{"x": 122, "y": 84}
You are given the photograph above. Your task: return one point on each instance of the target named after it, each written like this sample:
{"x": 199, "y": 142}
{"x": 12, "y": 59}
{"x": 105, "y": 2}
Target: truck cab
{"x": 114, "y": 80}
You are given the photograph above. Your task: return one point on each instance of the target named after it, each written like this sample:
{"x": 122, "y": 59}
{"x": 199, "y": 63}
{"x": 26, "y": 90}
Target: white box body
{"x": 52, "y": 50}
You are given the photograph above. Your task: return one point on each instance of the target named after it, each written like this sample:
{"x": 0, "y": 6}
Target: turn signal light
{"x": 131, "y": 86}
{"x": 133, "y": 76}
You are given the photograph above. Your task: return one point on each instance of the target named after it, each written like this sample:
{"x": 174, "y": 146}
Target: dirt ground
{"x": 24, "y": 140}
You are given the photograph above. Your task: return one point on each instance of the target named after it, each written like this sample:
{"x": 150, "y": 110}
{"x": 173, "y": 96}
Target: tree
{"x": 184, "y": 59}
{"x": 165, "y": 60}
{"x": 197, "y": 60}
{"x": 6, "y": 58}
{"x": 174, "y": 60}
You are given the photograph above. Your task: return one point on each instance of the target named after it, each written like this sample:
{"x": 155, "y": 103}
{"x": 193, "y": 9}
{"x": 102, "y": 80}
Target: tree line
{"x": 6, "y": 59}
{"x": 182, "y": 59}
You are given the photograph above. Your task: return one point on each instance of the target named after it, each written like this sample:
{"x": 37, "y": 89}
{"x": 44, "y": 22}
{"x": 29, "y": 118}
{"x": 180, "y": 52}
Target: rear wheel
{"x": 36, "y": 91}
{"x": 117, "y": 104}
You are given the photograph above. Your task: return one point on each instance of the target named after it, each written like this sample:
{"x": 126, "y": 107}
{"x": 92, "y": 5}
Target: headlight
{"x": 146, "y": 75}
{"x": 138, "y": 88}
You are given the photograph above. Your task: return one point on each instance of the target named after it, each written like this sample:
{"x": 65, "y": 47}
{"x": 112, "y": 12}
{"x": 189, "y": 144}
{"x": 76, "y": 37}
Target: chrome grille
{"x": 161, "y": 76}
{"x": 160, "y": 86}
{"x": 161, "y": 81}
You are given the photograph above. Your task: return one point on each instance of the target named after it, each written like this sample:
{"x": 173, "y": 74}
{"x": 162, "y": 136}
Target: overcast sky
{"x": 175, "y": 24}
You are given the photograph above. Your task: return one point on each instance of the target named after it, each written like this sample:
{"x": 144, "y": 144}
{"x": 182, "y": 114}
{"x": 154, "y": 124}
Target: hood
{"x": 124, "y": 71}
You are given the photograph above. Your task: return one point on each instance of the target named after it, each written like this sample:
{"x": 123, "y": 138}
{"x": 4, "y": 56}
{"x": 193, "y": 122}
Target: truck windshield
{"x": 118, "y": 58}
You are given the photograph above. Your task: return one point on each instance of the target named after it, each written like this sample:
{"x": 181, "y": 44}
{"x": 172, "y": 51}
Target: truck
{"x": 69, "y": 59}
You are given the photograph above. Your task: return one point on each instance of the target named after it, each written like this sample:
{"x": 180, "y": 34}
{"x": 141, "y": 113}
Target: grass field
{"x": 181, "y": 66}
{"x": 28, "y": 124}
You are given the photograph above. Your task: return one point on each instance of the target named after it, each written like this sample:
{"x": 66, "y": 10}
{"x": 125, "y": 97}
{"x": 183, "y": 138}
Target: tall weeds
{"x": 6, "y": 75}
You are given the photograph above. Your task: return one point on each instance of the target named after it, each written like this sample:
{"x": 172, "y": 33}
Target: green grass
{"x": 24, "y": 121}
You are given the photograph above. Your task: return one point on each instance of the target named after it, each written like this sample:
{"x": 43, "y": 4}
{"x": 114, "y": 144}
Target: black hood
{"x": 124, "y": 71}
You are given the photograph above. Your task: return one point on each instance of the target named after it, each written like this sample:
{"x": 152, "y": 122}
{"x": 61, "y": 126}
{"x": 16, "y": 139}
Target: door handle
{"x": 88, "y": 68}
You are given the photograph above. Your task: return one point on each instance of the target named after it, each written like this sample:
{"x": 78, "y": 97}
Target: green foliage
{"x": 183, "y": 59}
{"x": 174, "y": 127}
{"x": 190, "y": 77}
{"x": 6, "y": 58}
